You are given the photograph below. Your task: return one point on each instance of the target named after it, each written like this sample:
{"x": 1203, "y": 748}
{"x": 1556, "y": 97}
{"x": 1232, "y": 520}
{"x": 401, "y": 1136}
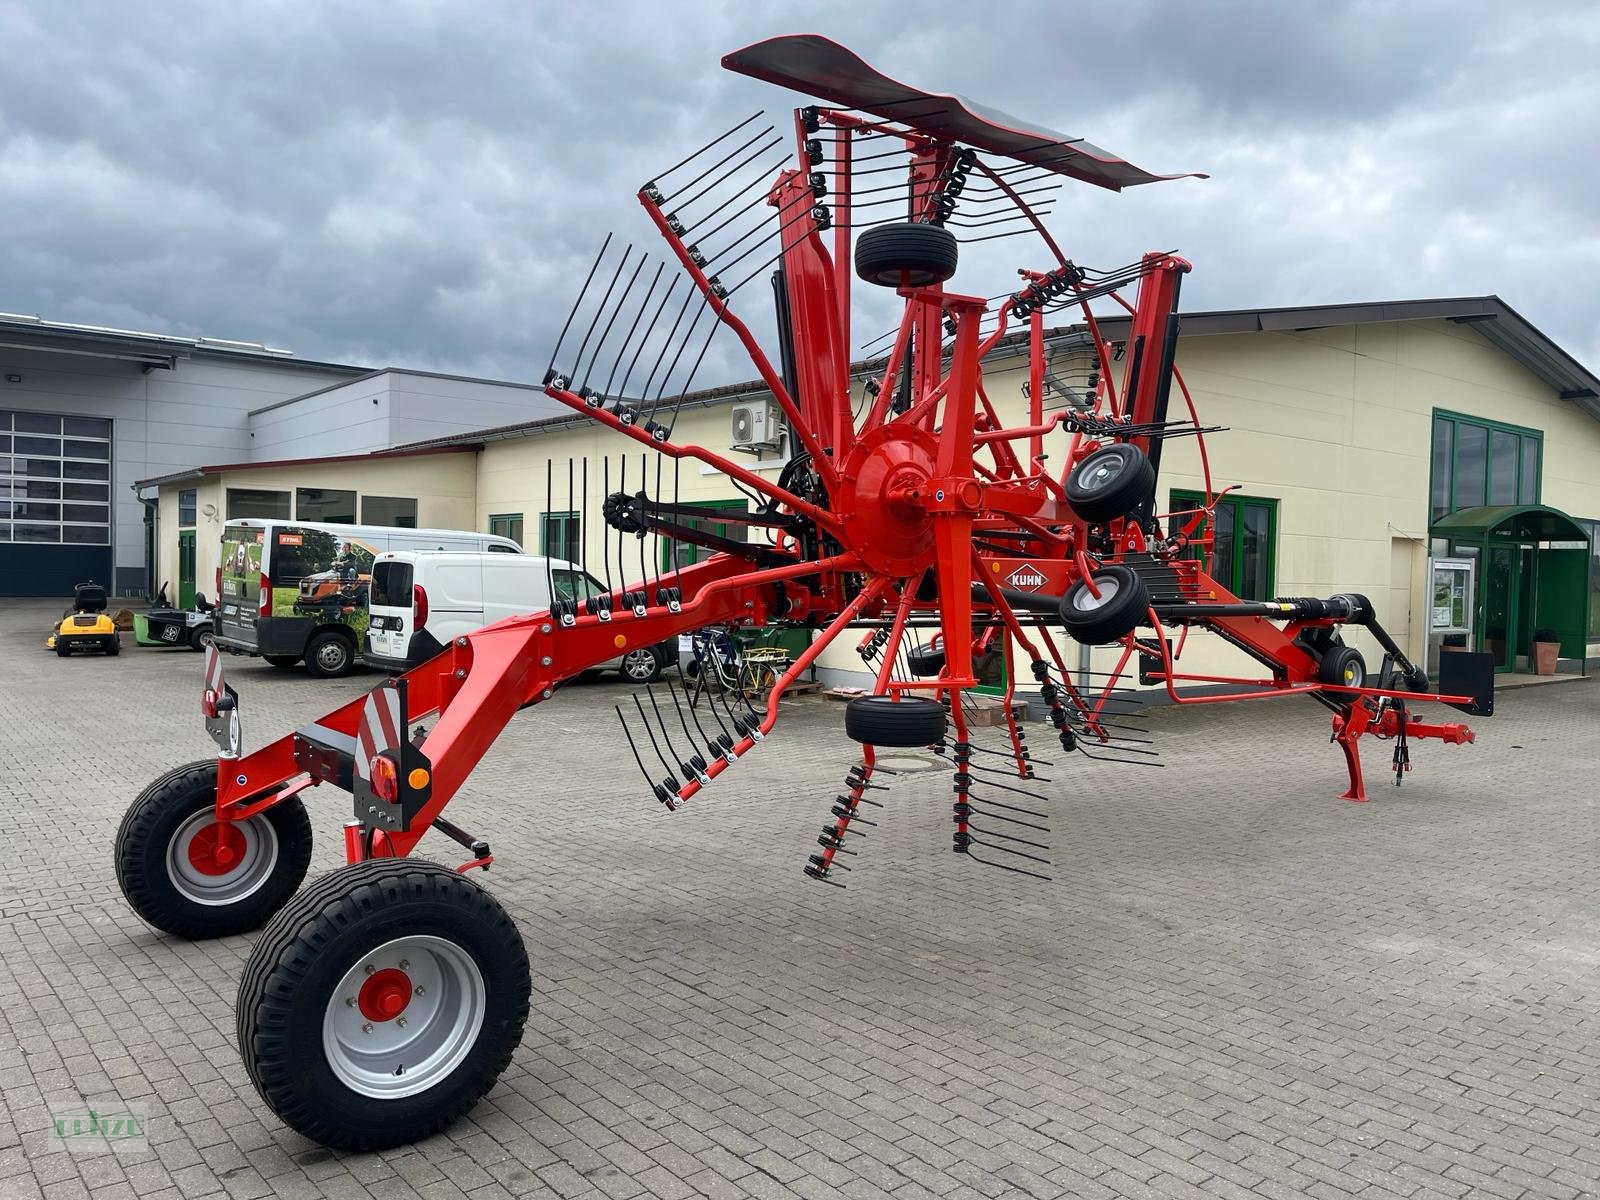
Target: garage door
{"x": 55, "y": 503}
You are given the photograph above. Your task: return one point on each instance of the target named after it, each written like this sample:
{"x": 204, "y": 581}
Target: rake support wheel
{"x": 912, "y": 255}
{"x": 909, "y": 722}
{"x": 1117, "y": 611}
{"x": 382, "y": 1003}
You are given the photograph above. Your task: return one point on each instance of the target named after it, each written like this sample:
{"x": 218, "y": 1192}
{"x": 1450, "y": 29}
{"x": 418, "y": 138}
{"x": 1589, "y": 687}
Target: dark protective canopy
{"x": 1512, "y": 522}
{"x": 819, "y": 67}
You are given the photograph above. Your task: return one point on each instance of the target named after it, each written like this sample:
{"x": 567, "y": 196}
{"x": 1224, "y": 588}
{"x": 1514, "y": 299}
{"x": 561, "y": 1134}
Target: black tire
{"x": 925, "y": 662}
{"x": 1342, "y": 666}
{"x": 113, "y": 646}
{"x": 63, "y": 649}
{"x": 884, "y": 721}
{"x": 291, "y": 985}
{"x": 148, "y": 866}
{"x": 1117, "y": 612}
{"x": 909, "y": 255}
{"x": 200, "y": 637}
{"x": 1110, "y": 483}
{"x": 636, "y": 669}
{"x": 283, "y": 661}
{"x": 330, "y": 654}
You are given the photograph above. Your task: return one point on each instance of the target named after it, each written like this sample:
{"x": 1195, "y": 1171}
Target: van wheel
{"x": 330, "y": 654}
{"x": 282, "y": 661}
{"x": 642, "y": 665}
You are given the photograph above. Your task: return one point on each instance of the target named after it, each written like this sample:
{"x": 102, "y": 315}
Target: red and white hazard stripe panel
{"x": 380, "y": 728}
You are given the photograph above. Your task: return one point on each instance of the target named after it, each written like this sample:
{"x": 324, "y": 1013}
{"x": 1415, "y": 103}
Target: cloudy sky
{"x": 424, "y": 184}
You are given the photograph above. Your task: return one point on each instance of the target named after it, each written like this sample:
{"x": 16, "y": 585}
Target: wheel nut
{"x": 400, "y": 1021}
{"x": 367, "y": 1027}
{"x": 349, "y": 1001}
{"x": 419, "y": 989}
{"x": 404, "y": 963}
{"x": 369, "y": 968}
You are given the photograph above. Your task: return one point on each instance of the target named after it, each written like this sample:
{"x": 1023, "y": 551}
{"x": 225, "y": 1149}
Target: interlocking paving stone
{"x": 1235, "y": 985}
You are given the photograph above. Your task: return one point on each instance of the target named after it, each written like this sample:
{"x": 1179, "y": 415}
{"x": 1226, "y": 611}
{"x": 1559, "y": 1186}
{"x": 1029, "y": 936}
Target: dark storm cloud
{"x": 424, "y": 184}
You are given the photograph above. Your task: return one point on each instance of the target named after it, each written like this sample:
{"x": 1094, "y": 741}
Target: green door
{"x": 186, "y": 568}
{"x": 1502, "y": 579}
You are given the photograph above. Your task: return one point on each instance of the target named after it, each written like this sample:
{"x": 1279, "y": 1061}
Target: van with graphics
{"x": 294, "y": 591}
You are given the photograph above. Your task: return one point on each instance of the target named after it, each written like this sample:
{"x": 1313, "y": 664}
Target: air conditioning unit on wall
{"x": 757, "y": 426}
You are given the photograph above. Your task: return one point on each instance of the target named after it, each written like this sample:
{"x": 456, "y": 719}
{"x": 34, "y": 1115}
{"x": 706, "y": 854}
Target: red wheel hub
{"x": 385, "y": 994}
{"x": 885, "y": 478}
{"x": 217, "y": 848}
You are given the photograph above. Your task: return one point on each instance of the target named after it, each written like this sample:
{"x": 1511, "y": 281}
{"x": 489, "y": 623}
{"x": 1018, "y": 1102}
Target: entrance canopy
{"x": 1511, "y": 523}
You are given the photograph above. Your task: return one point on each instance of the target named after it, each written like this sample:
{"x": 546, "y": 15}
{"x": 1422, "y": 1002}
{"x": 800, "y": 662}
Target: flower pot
{"x": 1544, "y": 657}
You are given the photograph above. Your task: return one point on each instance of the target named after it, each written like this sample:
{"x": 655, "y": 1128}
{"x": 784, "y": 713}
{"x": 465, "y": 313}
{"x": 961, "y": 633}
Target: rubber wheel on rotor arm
{"x": 925, "y": 662}
{"x": 170, "y": 864}
{"x": 909, "y": 255}
{"x": 1342, "y": 666}
{"x": 884, "y": 721}
{"x": 1120, "y": 608}
{"x": 1110, "y": 483}
{"x": 330, "y": 654}
{"x": 421, "y": 1043}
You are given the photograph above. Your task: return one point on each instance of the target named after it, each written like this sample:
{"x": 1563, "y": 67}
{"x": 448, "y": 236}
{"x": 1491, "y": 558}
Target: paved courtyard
{"x": 1235, "y": 984}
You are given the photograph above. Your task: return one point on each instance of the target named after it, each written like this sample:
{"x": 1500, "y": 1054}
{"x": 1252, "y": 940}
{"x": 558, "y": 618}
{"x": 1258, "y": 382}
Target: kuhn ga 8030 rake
{"x": 383, "y": 1000}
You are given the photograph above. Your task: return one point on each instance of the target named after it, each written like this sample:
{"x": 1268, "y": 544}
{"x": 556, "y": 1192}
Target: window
{"x": 575, "y": 585}
{"x": 186, "y": 508}
{"x": 325, "y": 505}
{"x": 675, "y": 554}
{"x": 1594, "y": 578}
{"x": 254, "y": 502}
{"x": 560, "y": 538}
{"x": 1477, "y": 461}
{"x": 507, "y": 525}
{"x": 39, "y": 454}
{"x": 1244, "y": 557}
{"x": 399, "y": 512}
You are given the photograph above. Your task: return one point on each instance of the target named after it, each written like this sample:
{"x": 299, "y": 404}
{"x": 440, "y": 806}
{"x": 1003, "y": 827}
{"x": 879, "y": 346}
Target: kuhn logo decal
{"x": 1027, "y": 578}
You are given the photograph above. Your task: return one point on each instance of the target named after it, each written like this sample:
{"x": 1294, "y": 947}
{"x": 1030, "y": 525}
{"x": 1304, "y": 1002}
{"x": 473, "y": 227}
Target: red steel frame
{"x": 908, "y": 492}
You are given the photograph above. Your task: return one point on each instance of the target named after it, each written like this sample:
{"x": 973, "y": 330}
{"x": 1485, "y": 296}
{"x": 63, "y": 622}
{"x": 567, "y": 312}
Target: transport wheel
{"x": 911, "y": 255}
{"x": 1116, "y": 612}
{"x": 200, "y": 637}
{"x": 1342, "y": 666}
{"x": 925, "y": 661}
{"x": 282, "y": 661}
{"x": 329, "y": 654}
{"x": 642, "y": 665}
{"x": 192, "y": 876}
{"x": 382, "y": 1003}
{"x": 1110, "y": 483}
{"x": 883, "y": 721}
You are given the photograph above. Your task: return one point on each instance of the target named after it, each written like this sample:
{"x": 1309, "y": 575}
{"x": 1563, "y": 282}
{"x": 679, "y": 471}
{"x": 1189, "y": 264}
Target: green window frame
{"x": 560, "y": 536}
{"x": 1475, "y": 461}
{"x": 675, "y": 554}
{"x": 1245, "y": 554}
{"x": 506, "y": 525}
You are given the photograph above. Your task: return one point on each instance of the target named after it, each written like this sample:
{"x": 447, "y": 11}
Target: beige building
{"x": 1369, "y": 444}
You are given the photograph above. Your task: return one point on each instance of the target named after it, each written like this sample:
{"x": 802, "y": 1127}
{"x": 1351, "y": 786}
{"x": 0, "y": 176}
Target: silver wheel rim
{"x": 1085, "y": 600}
{"x": 331, "y": 655}
{"x": 420, "y": 1046}
{"x": 639, "y": 664}
{"x": 256, "y": 861}
{"x": 1102, "y": 473}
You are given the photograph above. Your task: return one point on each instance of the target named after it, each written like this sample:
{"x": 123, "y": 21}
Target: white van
{"x": 289, "y": 590}
{"x": 422, "y": 599}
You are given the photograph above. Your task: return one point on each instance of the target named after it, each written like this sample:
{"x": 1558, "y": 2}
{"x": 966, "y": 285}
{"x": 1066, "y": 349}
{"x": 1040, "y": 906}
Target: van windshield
{"x": 391, "y": 584}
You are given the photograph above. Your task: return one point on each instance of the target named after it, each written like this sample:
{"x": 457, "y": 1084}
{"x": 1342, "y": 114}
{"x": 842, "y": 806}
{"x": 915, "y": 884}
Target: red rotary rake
{"x": 383, "y": 1000}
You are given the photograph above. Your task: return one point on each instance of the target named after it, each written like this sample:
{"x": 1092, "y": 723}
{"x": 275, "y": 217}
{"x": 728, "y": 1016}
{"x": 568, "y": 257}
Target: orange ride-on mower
{"x": 86, "y": 625}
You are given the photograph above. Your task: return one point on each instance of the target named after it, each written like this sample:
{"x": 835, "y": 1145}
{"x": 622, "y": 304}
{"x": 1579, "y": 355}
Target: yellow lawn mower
{"x": 86, "y": 626}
